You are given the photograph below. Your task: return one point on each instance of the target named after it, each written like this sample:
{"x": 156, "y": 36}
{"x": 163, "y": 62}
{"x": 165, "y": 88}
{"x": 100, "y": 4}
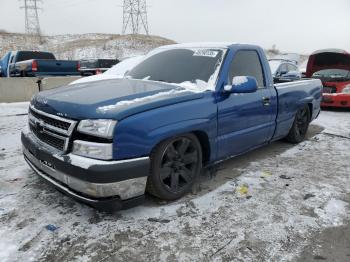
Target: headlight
{"x": 93, "y": 150}
{"x": 346, "y": 90}
{"x": 101, "y": 127}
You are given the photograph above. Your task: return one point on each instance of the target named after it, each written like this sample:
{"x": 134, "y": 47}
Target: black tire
{"x": 300, "y": 126}
{"x": 175, "y": 165}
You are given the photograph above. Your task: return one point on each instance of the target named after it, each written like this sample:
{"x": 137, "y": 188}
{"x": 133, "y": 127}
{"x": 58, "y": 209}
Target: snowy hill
{"x": 85, "y": 45}
{"x": 95, "y": 45}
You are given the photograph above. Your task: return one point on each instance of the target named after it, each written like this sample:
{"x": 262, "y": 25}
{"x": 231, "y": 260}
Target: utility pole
{"x": 32, "y": 25}
{"x": 135, "y": 16}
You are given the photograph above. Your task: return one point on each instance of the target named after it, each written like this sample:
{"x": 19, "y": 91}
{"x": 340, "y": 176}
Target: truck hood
{"x": 112, "y": 99}
{"x": 327, "y": 59}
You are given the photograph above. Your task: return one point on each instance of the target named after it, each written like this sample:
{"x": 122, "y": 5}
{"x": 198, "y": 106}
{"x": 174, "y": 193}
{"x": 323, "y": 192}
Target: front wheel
{"x": 300, "y": 126}
{"x": 175, "y": 165}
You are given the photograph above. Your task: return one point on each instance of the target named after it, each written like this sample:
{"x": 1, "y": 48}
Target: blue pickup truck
{"x": 184, "y": 107}
{"x": 35, "y": 63}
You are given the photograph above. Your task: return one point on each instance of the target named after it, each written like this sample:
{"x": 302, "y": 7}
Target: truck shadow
{"x": 216, "y": 176}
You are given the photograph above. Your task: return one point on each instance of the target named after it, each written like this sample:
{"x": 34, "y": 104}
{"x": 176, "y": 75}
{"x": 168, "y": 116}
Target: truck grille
{"x": 58, "y": 143}
{"x": 50, "y": 121}
{"x": 50, "y": 129}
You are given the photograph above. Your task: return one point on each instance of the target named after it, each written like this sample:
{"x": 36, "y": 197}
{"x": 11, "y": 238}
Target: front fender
{"x": 137, "y": 135}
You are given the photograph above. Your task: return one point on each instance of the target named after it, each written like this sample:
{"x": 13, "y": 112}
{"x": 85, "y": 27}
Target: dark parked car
{"x": 35, "y": 63}
{"x": 284, "y": 70}
{"x": 96, "y": 66}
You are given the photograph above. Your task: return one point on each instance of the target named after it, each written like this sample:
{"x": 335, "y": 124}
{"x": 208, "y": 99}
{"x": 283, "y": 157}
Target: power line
{"x": 135, "y": 16}
{"x": 32, "y": 25}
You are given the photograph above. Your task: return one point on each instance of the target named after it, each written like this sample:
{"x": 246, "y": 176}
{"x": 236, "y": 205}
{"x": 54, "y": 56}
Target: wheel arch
{"x": 203, "y": 139}
{"x": 205, "y": 144}
{"x": 310, "y": 105}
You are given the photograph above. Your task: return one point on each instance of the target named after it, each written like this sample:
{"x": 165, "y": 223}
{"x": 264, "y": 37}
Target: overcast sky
{"x": 293, "y": 25}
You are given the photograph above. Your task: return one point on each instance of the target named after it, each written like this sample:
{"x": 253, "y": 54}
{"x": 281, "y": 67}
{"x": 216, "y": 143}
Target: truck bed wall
{"x": 292, "y": 96}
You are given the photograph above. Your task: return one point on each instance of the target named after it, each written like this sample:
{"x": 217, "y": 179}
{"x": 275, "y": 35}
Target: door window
{"x": 247, "y": 63}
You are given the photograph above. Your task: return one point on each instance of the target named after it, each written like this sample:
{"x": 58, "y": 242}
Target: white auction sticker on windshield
{"x": 205, "y": 52}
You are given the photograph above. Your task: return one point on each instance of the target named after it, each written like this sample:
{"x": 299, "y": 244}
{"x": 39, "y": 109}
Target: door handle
{"x": 266, "y": 101}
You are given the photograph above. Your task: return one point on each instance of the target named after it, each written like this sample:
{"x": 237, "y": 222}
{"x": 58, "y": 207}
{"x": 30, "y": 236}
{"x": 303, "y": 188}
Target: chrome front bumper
{"x": 124, "y": 189}
{"x": 85, "y": 179}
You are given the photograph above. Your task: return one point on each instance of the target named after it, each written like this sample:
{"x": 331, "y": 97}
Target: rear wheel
{"x": 300, "y": 126}
{"x": 175, "y": 165}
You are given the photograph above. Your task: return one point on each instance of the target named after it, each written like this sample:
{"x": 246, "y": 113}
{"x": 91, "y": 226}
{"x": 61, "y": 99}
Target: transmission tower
{"x": 32, "y": 25}
{"x": 135, "y": 16}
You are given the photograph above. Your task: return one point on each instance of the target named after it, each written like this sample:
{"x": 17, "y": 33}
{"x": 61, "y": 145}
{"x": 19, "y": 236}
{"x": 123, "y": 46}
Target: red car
{"x": 332, "y": 66}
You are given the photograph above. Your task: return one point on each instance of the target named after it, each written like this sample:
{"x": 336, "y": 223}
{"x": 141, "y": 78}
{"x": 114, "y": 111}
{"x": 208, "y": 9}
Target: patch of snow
{"x": 125, "y": 65}
{"x": 199, "y": 86}
{"x": 330, "y": 121}
{"x": 117, "y": 71}
{"x": 239, "y": 80}
{"x": 8, "y": 109}
{"x": 125, "y": 103}
{"x": 333, "y": 212}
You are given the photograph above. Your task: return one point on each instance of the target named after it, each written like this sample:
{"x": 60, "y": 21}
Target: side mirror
{"x": 242, "y": 84}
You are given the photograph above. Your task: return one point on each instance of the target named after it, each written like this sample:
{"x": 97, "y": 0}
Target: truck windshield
{"x": 199, "y": 66}
{"x": 27, "y": 55}
{"x": 332, "y": 75}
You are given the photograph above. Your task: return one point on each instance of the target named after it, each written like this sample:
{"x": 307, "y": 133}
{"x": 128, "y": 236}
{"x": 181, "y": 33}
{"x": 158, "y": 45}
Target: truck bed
{"x": 305, "y": 91}
{"x": 48, "y": 67}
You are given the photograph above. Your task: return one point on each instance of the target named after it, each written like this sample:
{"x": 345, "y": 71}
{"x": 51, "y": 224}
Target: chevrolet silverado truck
{"x": 35, "y": 63}
{"x": 184, "y": 107}
{"x": 332, "y": 67}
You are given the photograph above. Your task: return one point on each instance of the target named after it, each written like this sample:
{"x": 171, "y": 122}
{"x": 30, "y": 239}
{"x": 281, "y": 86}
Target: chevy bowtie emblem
{"x": 39, "y": 126}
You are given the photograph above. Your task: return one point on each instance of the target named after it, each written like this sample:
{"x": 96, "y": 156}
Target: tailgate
{"x": 57, "y": 67}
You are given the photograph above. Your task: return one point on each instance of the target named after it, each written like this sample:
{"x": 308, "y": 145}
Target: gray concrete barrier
{"x": 53, "y": 82}
{"x": 20, "y": 89}
{"x": 17, "y": 89}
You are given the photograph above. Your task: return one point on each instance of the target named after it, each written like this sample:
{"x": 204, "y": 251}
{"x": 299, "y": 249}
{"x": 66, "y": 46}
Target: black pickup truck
{"x": 35, "y": 63}
{"x": 90, "y": 67}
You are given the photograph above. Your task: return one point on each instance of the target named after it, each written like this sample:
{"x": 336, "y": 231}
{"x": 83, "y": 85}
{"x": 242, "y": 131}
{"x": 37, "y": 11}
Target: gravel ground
{"x": 277, "y": 203}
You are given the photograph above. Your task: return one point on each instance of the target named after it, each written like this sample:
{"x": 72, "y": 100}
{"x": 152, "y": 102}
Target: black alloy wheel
{"x": 302, "y": 119}
{"x": 300, "y": 125}
{"x": 175, "y": 166}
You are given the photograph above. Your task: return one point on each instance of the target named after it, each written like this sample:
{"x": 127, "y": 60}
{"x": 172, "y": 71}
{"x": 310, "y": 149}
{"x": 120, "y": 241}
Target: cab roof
{"x": 204, "y": 45}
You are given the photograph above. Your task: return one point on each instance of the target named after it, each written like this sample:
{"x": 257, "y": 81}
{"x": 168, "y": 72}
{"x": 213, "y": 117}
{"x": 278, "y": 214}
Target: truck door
{"x": 245, "y": 120}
